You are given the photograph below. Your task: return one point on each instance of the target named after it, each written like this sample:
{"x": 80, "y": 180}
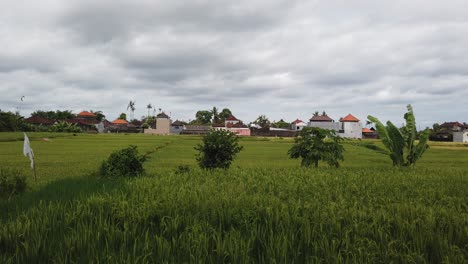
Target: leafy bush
{"x": 218, "y": 150}
{"x": 310, "y": 145}
{"x": 125, "y": 162}
{"x": 11, "y": 182}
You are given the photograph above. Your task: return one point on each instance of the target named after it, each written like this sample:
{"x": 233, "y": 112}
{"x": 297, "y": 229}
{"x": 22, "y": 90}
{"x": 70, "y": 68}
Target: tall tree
{"x": 224, "y": 114}
{"x": 99, "y": 115}
{"x": 203, "y": 117}
{"x": 262, "y": 121}
{"x": 123, "y": 116}
{"x": 131, "y": 106}
{"x": 149, "y": 106}
{"x": 215, "y": 114}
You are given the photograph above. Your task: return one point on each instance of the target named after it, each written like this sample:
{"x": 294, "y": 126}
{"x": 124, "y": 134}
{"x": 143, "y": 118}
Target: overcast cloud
{"x": 285, "y": 59}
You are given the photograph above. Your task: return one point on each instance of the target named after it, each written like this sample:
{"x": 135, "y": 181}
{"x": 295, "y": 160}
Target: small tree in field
{"x": 314, "y": 144}
{"x": 218, "y": 149}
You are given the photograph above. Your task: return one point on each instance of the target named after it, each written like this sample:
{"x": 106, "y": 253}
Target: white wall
{"x": 351, "y": 129}
{"x": 460, "y": 136}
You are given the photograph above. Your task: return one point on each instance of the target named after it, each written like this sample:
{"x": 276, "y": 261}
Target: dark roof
{"x": 136, "y": 123}
{"x": 349, "y": 118}
{"x": 177, "y": 123}
{"x": 321, "y": 118}
{"x": 39, "y": 120}
{"x": 162, "y": 115}
{"x": 452, "y": 124}
{"x": 232, "y": 118}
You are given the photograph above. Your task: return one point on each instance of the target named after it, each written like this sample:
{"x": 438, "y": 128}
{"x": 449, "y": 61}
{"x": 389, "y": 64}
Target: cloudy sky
{"x": 284, "y": 59}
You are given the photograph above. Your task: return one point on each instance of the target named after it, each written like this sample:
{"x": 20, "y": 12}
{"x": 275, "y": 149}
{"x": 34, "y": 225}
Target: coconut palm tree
{"x": 131, "y": 105}
{"x": 149, "y": 106}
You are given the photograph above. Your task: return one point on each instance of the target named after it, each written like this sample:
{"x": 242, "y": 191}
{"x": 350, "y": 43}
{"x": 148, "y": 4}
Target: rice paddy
{"x": 265, "y": 209}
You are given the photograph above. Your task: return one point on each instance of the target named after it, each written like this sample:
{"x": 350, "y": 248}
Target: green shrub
{"x": 11, "y": 182}
{"x": 311, "y": 145}
{"x": 218, "y": 150}
{"x": 125, "y": 162}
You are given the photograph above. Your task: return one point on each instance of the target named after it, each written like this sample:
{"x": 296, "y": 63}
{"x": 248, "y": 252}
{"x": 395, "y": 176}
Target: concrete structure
{"x": 235, "y": 126}
{"x": 350, "y": 127}
{"x": 177, "y": 127}
{"x": 163, "y": 125}
{"x": 323, "y": 121}
{"x": 460, "y": 137}
{"x": 298, "y": 125}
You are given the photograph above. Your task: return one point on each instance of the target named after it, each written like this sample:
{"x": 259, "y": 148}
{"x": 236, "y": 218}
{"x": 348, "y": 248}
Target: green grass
{"x": 264, "y": 209}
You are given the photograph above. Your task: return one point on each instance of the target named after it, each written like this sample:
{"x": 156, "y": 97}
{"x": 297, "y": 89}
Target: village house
{"x": 298, "y": 125}
{"x": 460, "y": 136}
{"x": 163, "y": 125}
{"x": 234, "y": 125}
{"x": 348, "y": 126}
{"x": 177, "y": 127}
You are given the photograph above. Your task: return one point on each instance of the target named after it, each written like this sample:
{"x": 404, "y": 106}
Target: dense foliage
{"x": 10, "y": 121}
{"x": 11, "y": 182}
{"x": 243, "y": 216}
{"x": 124, "y": 162}
{"x": 54, "y": 115}
{"x": 313, "y": 144}
{"x": 401, "y": 142}
{"x": 218, "y": 149}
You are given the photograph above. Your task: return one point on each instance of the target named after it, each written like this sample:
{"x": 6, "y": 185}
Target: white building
{"x": 298, "y": 125}
{"x": 460, "y": 136}
{"x": 348, "y": 127}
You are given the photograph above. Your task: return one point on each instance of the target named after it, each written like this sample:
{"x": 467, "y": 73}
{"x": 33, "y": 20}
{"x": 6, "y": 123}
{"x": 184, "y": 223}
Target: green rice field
{"x": 264, "y": 209}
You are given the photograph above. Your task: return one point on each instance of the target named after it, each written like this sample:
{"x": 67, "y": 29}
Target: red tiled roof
{"x": 232, "y": 118}
{"x": 297, "y": 121}
{"x": 120, "y": 122}
{"x": 321, "y": 118}
{"x": 86, "y": 114}
{"x": 367, "y": 130}
{"x": 349, "y": 118}
{"x": 39, "y": 120}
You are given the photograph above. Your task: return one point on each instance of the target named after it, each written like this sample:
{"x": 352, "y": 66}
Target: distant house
{"x": 447, "y": 130}
{"x": 323, "y": 121}
{"x": 348, "y": 126}
{"x": 452, "y": 126}
{"x": 177, "y": 127}
{"x": 298, "y": 125}
{"x": 460, "y": 136}
{"x": 369, "y": 133}
{"x": 163, "y": 125}
{"x": 234, "y": 125}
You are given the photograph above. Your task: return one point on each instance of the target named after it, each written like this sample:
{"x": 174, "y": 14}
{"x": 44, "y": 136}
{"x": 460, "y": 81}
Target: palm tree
{"x": 215, "y": 114}
{"x": 131, "y": 105}
{"x": 149, "y": 106}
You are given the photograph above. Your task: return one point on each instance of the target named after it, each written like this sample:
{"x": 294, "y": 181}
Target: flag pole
{"x": 34, "y": 168}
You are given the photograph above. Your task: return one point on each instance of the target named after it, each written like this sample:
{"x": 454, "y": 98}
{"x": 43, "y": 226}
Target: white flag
{"x": 27, "y": 150}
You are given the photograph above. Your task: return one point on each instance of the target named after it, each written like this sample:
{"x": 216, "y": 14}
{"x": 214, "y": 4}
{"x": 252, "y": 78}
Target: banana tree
{"x": 401, "y": 144}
